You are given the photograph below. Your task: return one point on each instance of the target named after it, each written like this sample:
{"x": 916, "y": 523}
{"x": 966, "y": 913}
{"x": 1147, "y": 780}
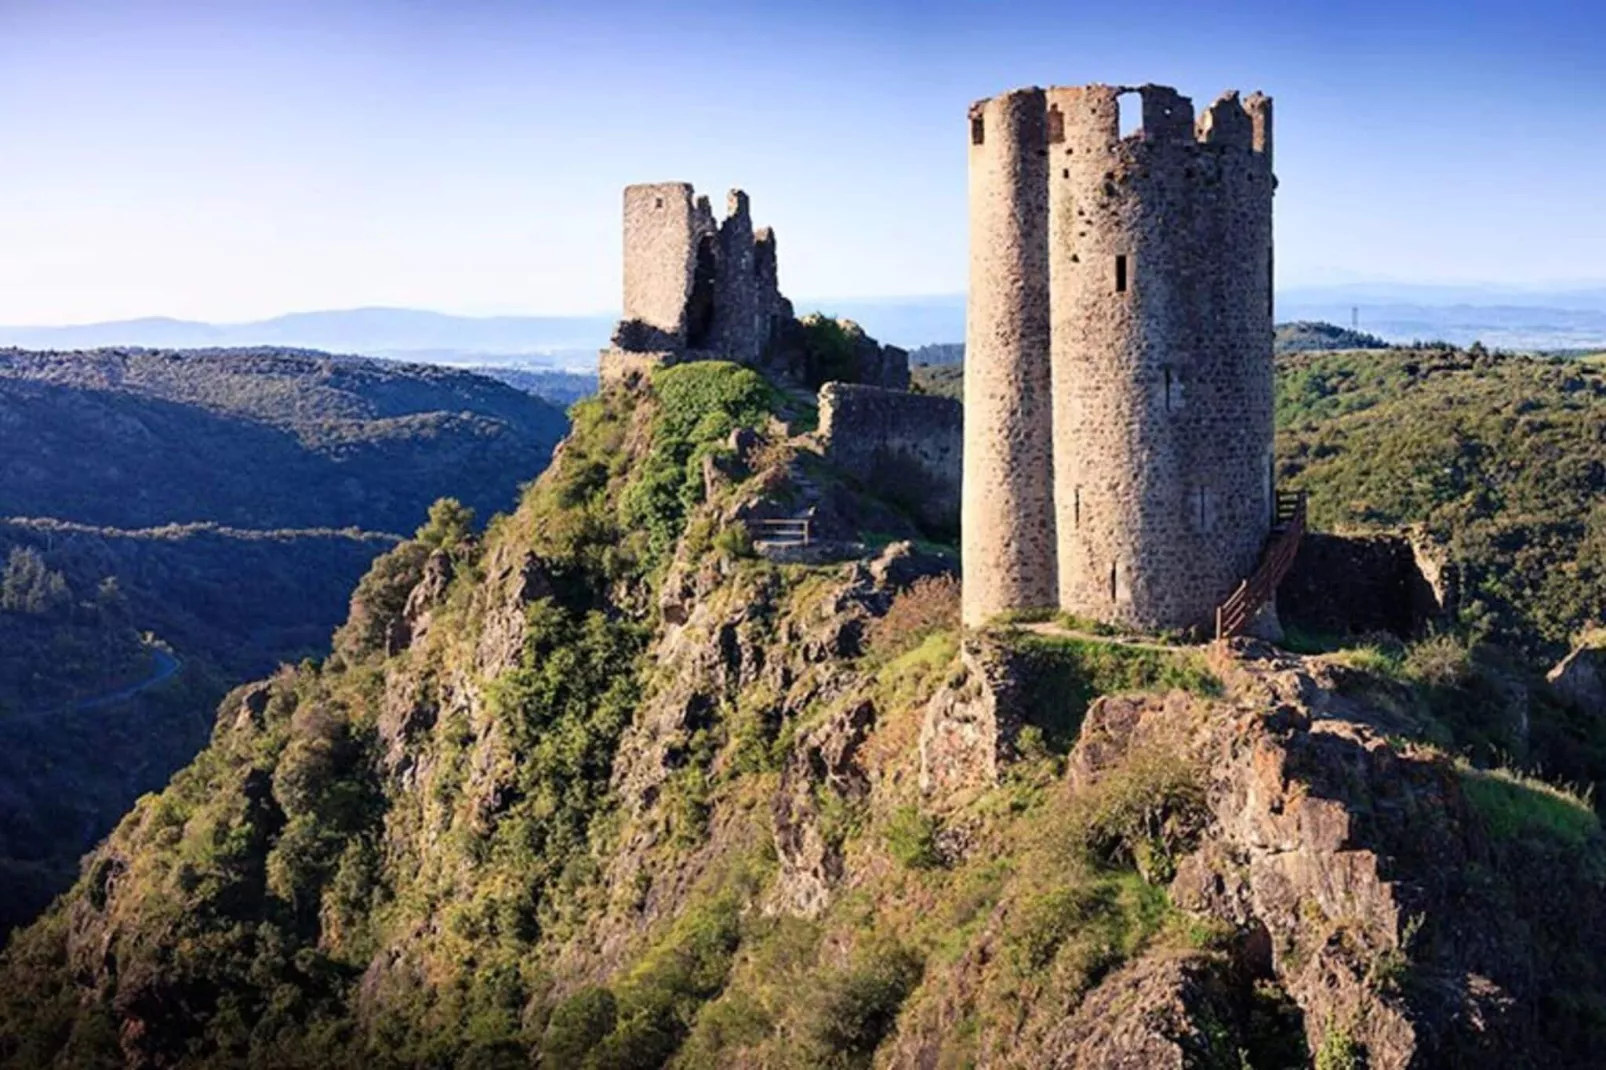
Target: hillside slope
{"x": 604, "y": 788}
{"x": 1498, "y": 458}
{"x": 258, "y": 438}
{"x": 184, "y": 506}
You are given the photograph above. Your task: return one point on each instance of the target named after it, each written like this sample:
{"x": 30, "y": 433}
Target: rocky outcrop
{"x": 1351, "y": 867}
{"x": 1154, "y": 1014}
{"x": 811, "y": 865}
{"x": 968, "y": 734}
{"x": 1579, "y": 679}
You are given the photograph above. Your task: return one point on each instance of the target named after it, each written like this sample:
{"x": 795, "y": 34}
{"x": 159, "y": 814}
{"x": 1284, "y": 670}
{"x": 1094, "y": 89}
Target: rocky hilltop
{"x": 621, "y": 783}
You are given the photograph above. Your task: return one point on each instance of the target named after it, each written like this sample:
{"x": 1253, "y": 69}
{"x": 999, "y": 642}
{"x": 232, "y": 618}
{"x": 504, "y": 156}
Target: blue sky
{"x": 228, "y": 160}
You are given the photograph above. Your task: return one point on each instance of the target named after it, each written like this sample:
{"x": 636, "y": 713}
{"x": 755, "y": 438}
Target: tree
{"x": 30, "y": 586}
{"x": 450, "y": 524}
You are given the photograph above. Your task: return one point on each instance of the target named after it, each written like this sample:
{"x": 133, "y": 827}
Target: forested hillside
{"x": 172, "y": 523}
{"x": 258, "y": 438}
{"x": 1501, "y": 459}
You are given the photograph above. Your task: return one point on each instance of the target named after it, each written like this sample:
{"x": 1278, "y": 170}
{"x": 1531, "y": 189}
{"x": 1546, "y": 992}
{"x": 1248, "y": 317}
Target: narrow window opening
{"x": 660, "y": 203}
{"x": 1168, "y": 390}
{"x": 1120, "y": 274}
{"x": 1129, "y": 108}
{"x": 1076, "y": 507}
{"x": 1056, "y": 125}
{"x": 1271, "y": 284}
{"x": 978, "y": 131}
{"x": 1112, "y": 583}
{"x": 1067, "y": 172}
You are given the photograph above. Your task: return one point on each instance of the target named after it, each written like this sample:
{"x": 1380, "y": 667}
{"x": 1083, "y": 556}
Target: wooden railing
{"x": 1234, "y": 615}
{"x": 781, "y": 532}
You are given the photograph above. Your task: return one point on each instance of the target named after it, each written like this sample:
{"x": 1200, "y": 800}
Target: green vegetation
{"x": 830, "y": 348}
{"x": 636, "y": 797}
{"x": 262, "y": 438}
{"x": 1066, "y": 674}
{"x": 1514, "y": 806}
{"x": 224, "y": 503}
{"x": 1339, "y": 1051}
{"x": 698, "y": 406}
{"x": 1144, "y": 814}
{"x": 1496, "y": 457}
{"x": 912, "y": 838}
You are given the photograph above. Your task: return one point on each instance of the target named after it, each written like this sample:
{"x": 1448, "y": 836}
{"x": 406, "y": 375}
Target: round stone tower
{"x": 1159, "y": 280}
{"x": 1007, "y": 490}
{"x": 1160, "y": 286}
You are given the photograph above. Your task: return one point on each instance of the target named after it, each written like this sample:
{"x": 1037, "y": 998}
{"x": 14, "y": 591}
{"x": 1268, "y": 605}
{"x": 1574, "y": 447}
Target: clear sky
{"x": 228, "y": 160}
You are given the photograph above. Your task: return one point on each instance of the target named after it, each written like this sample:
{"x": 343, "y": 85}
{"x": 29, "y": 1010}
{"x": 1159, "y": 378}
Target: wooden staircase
{"x": 779, "y": 534}
{"x": 1288, "y": 527}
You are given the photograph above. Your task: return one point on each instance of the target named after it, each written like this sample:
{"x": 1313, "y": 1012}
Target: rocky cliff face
{"x": 604, "y": 788}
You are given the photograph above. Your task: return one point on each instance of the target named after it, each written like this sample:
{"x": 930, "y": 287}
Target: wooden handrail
{"x": 1234, "y": 615}
{"x": 797, "y": 530}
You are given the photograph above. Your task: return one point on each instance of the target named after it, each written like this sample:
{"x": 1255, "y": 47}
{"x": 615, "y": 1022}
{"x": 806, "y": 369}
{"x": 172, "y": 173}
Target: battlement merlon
{"x": 1088, "y": 118}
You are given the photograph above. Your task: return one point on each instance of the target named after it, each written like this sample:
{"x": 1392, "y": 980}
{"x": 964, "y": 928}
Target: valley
{"x": 184, "y": 521}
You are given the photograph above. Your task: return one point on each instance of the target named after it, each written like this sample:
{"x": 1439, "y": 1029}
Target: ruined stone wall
{"x": 747, "y": 296}
{"x": 908, "y": 448}
{"x": 1160, "y": 285}
{"x": 1380, "y": 582}
{"x": 1157, "y": 272}
{"x": 1008, "y": 531}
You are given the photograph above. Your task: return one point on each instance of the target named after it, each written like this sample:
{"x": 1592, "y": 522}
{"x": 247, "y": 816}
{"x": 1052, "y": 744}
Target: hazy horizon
{"x": 232, "y": 163}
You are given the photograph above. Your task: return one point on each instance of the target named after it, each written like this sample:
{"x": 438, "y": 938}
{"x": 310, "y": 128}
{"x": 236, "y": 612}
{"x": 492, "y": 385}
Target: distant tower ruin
{"x": 694, "y": 287}
{"x": 1118, "y": 371}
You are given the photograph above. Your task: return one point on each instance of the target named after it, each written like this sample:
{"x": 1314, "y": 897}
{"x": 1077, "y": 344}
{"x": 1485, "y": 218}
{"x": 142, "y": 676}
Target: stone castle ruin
{"x": 693, "y": 286}
{"x": 698, "y": 289}
{"x": 1118, "y": 374}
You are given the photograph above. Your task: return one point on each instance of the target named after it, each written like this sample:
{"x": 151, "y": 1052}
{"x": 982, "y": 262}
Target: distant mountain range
{"x": 1562, "y": 318}
{"x": 411, "y": 334}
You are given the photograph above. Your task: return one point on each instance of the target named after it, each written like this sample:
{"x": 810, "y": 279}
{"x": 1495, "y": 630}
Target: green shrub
{"x": 733, "y": 540}
{"x": 661, "y": 997}
{"x": 830, "y": 349}
{"x": 1144, "y": 812}
{"x": 449, "y": 527}
{"x": 853, "y": 1010}
{"x": 912, "y": 838}
{"x": 578, "y": 1025}
{"x": 1441, "y": 661}
{"x": 1339, "y": 1051}
{"x": 1044, "y": 923}
{"x": 698, "y": 405}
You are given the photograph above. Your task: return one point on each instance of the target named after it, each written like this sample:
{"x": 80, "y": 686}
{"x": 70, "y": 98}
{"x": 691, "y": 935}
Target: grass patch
{"x": 1514, "y": 805}
{"x": 1065, "y": 674}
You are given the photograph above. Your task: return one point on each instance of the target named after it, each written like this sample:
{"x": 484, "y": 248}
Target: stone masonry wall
{"x": 1158, "y": 277}
{"x": 693, "y": 284}
{"x": 906, "y": 447}
{"x": 1008, "y": 531}
{"x": 664, "y": 224}
{"x": 1160, "y": 287}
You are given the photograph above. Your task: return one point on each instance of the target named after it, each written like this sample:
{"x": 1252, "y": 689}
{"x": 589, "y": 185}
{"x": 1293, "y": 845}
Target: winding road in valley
{"x": 167, "y": 666}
